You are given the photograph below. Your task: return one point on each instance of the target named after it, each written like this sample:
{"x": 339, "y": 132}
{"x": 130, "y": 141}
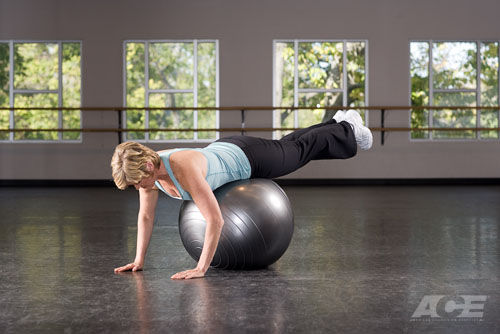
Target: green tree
{"x": 36, "y": 68}
{"x": 4, "y": 89}
{"x": 171, "y": 67}
{"x": 320, "y": 66}
{"x": 454, "y": 66}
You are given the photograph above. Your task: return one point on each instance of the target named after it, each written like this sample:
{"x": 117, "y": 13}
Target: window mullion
{"x": 296, "y": 83}
{"x": 195, "y": 88}
{"x": 11, "y": 89}
{"x": 344, "y": 73}
{"x": 455, "y": 90}
{"x": 123, "y": 113}
{"x": 217, "y": 123}
{"x": 146, "y": 90}
{"x": 60, "y": 91}
{"x": 431, "y": 87}
{"x": 478, "y": 87}
{"x": 319, "y": 90}
{"x": 367, "y": 70}
{"x": 169, "y": 91}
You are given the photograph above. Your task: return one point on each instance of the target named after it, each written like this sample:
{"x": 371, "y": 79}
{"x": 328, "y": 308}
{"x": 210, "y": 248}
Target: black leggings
{"x": 273, "y": 158}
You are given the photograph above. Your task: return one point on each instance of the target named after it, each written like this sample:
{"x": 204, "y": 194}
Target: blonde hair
{"x": 129, "y": 163}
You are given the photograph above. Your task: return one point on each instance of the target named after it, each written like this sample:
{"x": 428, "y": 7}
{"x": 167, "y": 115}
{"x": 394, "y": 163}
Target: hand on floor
{"x": 187, "y": 274}
{"x": 131, "y": 266}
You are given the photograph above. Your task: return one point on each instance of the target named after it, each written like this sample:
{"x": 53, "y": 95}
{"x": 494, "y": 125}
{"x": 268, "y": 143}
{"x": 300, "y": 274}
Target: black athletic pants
{"x": 273, "y": 158}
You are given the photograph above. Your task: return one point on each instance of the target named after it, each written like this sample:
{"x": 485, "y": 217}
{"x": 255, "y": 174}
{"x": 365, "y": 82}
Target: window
{"x": 454, "y": 74}
{"x": 317, "y": 74}
{"x": 40, "y": 75}
{"x": 171, "y": 74}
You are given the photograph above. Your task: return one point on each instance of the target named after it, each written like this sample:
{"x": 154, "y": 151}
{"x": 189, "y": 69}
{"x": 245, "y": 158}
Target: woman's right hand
{"x": 134, "y": 266}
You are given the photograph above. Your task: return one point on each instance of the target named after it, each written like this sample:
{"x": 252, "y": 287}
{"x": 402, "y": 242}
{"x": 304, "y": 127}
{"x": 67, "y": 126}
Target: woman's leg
{"x": 297, "y": 133}
{"x": 274, "y": 158}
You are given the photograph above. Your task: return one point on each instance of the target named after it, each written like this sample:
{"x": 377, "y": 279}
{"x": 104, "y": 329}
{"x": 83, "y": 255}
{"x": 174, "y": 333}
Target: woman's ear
{"x": 149, "y": 166}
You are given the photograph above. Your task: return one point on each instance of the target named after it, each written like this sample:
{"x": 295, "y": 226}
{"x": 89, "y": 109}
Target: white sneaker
{"x": 339, "y": 116}
{"x": 363, "y": 135}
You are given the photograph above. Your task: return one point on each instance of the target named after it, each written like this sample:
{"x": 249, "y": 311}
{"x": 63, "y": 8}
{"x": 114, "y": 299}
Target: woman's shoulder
{"x": 167, "y": 152}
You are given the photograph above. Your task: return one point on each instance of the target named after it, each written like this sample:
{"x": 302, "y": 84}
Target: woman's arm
{"x": 194, "y": 182}
{"x": 145, "y": 220}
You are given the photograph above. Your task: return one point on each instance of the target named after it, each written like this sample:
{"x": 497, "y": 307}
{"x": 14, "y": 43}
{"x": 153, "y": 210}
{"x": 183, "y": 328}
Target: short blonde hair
{"x": 129, "y": 163}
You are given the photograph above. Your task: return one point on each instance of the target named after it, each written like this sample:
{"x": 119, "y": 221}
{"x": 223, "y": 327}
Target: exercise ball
{"x": 258, "y": 225}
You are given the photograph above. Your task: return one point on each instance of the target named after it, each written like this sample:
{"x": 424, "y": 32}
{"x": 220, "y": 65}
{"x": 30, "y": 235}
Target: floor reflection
{"x": 360, "y": 260}
{"x": 204, "y": 302}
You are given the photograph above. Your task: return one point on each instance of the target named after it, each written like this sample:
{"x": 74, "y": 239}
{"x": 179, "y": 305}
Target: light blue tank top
{"x": 226, "y": 162}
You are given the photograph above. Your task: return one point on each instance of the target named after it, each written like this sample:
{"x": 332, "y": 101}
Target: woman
{"x": 193, "y": 174}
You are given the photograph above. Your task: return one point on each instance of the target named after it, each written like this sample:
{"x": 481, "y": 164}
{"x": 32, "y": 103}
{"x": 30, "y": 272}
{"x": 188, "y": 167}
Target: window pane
{"x": 320, "y": 65}
{"x": 284, "y": 85}
{"x": 489, "y": 88}
{"x": 36, "y": 66}
{"x": 284, "y": 74}
{"x": 310, "y": 117}
{"x": 206, "y": 88}
{"x": 489, "y": 119}
{"x": 136, "y": 119}
{"x": 171, "y": 119}
{"x": 286, "y": 119}
{"x": 448, "y": 118}
{"x": 4, "y": 89}
{"x": 454, "y": 65}
{"x": 355, "y": 69}
{"x": 136, "y": 90}
{"x": 207, "y": 120}
{"x": 4, "y": 124}
{"x": 171, "y": 66}
{"x": 355, "y": 74}
{"x": 206, "y": 74}
{"x": 71, "y": 120}
{"x": 36, "y": 119}
{"x": 419, "y": 71}
{"x": 71, "y": 89}
{"x": 4, "y": 74}
{"x": 135, "y": 75}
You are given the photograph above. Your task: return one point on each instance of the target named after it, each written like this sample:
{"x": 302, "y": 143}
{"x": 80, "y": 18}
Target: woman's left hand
{"x": 187, "y": 274}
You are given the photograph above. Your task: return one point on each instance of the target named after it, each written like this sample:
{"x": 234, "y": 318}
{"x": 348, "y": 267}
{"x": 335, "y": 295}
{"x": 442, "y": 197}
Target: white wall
{"x": 245, "y": 30}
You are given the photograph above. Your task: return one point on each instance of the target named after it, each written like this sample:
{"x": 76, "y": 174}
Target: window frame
{"x": 59, "y": 91}
{"x": 477, "y": 42}
{"x": 148, "y": 91}
{"x": 297, "y": 90}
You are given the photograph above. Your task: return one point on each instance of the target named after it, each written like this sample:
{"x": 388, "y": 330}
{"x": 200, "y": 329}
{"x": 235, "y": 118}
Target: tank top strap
{"x": 165, "y": 157}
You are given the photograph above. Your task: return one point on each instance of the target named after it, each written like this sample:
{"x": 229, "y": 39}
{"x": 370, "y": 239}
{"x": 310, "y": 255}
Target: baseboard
{"x": 388, "y": 182}
{"x": 57, "y": 183}
{"x": 283, "y": 182}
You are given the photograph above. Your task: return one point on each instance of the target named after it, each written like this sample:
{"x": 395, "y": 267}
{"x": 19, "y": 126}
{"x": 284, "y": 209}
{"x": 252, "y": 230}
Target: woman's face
{"x": 149, "y": 181}
{"x": 146, "y": 183}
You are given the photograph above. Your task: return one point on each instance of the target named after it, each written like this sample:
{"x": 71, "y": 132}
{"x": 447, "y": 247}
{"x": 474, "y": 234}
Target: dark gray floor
{"x": 361, "y": 260}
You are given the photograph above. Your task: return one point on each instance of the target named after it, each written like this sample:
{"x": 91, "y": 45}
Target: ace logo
{"x": 447, "y": 308}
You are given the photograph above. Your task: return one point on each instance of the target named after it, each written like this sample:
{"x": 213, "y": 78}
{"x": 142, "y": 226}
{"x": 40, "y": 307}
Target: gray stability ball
{"x": 258, "y": 225}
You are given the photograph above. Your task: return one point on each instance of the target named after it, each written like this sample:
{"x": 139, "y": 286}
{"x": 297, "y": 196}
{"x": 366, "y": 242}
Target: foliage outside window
{"x": 40, "y": 74}
{"x": 454, "y": 74}
{"x": 317, "y": 74}
{"x": 163, "y": 74}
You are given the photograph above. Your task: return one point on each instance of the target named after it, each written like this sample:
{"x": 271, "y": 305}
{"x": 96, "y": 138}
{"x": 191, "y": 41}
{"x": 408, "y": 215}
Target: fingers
{"x": 130, "y": 266}
{"x": 124, "y": 268}
{"x": 187, "y": 274}
{"x": 178, "y": 275}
